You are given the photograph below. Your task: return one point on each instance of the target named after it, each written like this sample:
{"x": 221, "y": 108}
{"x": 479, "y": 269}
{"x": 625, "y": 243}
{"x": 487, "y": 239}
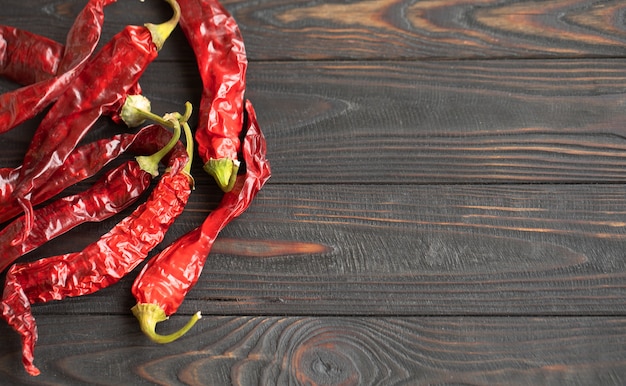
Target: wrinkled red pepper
{"x": 16, "y": 63}
{"x": 165, "y": 280}
{"x": 116, "y": 190}
{"x": 27, "y": 58}
{"x": 84, "y": 162}
{"x": 24, "y": 103}
{"x": 221, "y": 57}
{"x": 113, "y": 192}
{"x": 101, "y": 87}
{"x": 101, "y": 263}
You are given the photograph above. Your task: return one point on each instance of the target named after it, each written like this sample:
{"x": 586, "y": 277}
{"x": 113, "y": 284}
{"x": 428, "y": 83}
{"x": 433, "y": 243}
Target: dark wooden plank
{"x": 387, "y": 200}
{"x": 327, "y": 350}
{"x": 440, "y": 122}
{"x": 428, "y": 250}
{"x": 401, "y": 250}
{"x": 390, "y": 29}
{"x": 443, "y": 122}
{"x": 428, "y": 122}
{"x": 431, "y": 29}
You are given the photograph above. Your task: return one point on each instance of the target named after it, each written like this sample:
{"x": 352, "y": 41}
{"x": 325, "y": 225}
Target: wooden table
{"x": 447, "y": 203}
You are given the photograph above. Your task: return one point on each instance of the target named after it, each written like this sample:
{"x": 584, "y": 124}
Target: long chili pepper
{"x": 164, "y": 281}
{"x": 87, "y": 160}
{"x": 117, "y": 189}
{"x": 113, "y": 192}
{"x": 220, "y": 54}
{"x": 18, "y": 47}
{"x": 24, "y": 103}
{"x": 28, "y": 58}
{"x": 101, "y": 263}
{"x": 102, "y": 86}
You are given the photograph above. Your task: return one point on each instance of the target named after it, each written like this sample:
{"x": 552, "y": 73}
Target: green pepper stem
{"x": 132, "y": 109}
{"x": 150, "y": 314}
{"x": 224, "y": 171}
{"x": 189, "y": 141}
{"x": 150, "y": 163}
{"x": 160, "y": 32}
{"x": 163, "y": 121}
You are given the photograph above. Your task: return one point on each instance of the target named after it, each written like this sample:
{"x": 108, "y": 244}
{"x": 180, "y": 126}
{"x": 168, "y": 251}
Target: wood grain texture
{"x": 441, "y": 122}
{"x": 433, "y": 29}
{"x": 330, "y": 351}
{"x": 548, "y": 250}
{"x": 435, "y": 122}
{"x": 446, "y": 207}
{"x": 469, "y": 122}
{"x": 375, "y": 29}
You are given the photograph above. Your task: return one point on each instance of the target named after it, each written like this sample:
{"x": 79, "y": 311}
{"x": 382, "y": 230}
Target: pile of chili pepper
{"x": 79, "y": 87}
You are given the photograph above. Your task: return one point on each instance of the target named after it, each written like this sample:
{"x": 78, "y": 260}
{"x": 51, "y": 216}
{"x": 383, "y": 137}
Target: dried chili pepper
{"x": 101, "y": 263}
{"x": 24, "y": 103}
{"x": 84, "y": 162}
{"x": 16, "y": 64}
{"x": 117, "y": 189}
{"x": 220, "y": 54}
{"x": 28, "y": 58}
{"x": 164, "y": 281}
{"x": 132, "y": 113}
{"x": 102, "y": 86}
{"x": 113, "y": 192}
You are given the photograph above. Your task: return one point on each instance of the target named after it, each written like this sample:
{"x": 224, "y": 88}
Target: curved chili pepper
{"x": 17, "y": 47}
{"x": 24, "y": 103}
{"x": 116, "y": 190}
{"x": 14, "y": 65}
{"x": 84, "y": 162}
{"x": 165, "y": 280}
{"x": 102, "y": 86}
{"x": 27, "y": 58}
{"x": 220, "y": 54}
{"x": 101, "y": 263}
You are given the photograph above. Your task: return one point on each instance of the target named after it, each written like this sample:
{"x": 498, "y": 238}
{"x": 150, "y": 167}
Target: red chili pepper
{"x": 102, "y": 86}
{"x": 116, "y": 190}
{"x": 82, "y": 163}
{"x": 220, "y": 54}
{"x": 27, "y": 58}
{"x": 17, "y": 47}
{"x": 100, "y": 264}
{"x": 24, "y": 103}
{"x": 164, "y": 281}
{"x": 113, "y": 192}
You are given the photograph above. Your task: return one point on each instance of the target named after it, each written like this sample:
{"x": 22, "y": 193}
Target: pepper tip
{"x": 32, "y": 370}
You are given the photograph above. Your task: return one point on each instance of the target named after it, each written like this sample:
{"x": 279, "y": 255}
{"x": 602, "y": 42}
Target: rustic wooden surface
{"x": 447, "y": 203}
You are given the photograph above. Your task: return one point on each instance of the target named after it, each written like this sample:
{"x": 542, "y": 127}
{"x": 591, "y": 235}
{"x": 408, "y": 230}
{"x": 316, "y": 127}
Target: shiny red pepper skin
{"x": 84, "y": 162}
{"x": 167, "y": 277}
{"x": 100, "y": 88}
{"x": 24, "y": 103}
{"x": 100, "y": 264}
{"x": 221, "y": 58}
{"x": 115, "y": 191}
{"x": 27, "y": 58}
{"x": 18, "y": 47}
